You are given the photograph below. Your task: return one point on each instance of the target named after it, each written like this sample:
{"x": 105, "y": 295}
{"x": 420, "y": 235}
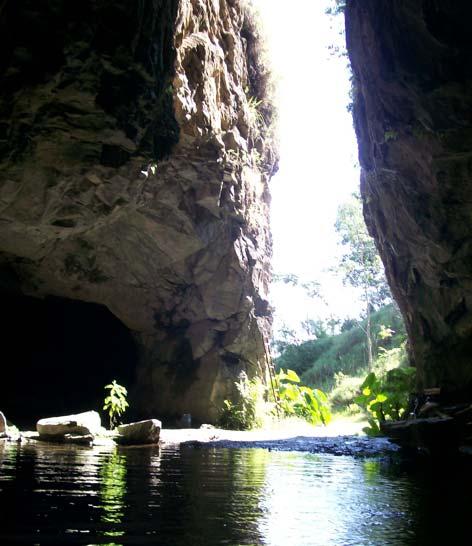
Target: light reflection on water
{"x": 66, "y": 495}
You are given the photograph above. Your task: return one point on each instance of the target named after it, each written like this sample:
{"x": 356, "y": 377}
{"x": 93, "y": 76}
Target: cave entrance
{"x": 58, "y": 354}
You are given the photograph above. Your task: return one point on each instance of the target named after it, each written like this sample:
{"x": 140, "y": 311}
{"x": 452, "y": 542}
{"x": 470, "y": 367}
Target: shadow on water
{"x": 71, "y": 495}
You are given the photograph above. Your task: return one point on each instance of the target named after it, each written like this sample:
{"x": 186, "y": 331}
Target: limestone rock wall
{"x": 135, "y": 156}
{"x": 413, "y": 117}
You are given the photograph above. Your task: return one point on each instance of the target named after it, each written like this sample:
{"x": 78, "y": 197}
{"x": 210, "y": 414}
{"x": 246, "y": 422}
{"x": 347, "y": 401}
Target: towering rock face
{"x": 135, "y": 156}
{"x": 412, "y": 67}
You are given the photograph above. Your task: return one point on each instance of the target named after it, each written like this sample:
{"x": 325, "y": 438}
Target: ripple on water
{"x": 60, "y": 494}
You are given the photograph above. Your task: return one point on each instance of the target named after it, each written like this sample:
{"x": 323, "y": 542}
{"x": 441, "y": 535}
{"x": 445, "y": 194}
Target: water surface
{"x": 188, "y": 496}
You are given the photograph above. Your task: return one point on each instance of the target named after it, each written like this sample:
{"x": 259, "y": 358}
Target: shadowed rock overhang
{"x": 135, "y": 156}
{"x": 412, "y": 68}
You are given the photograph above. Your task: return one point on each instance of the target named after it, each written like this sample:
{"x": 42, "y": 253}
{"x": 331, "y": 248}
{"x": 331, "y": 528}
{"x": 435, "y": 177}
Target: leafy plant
{"x": 300, "y": 400}
{"x": 385, "y": 397}
{"x": 255, "y": 402}
{"x": 247, "y": 411}
{"x": 115, "y": 403}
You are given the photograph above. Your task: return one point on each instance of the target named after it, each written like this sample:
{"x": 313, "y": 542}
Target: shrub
{"x": 385, "y": 397}
{"x": 345, "y": 391}
{"x": 254, "y": 403}
{"x": 248, "y": 410}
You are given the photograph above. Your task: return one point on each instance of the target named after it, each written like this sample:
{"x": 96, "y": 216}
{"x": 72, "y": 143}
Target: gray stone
{"x": 141, "y": 432}
{"x": 81, "y": 424}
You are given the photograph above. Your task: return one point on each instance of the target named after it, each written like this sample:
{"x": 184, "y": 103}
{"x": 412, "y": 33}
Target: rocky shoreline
{"x": 86, "y": 430}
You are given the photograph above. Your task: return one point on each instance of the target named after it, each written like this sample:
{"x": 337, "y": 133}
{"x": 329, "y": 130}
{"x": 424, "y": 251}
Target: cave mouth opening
{"x": 58, "y": 356}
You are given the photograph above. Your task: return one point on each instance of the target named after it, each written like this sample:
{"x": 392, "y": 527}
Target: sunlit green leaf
{"x": 292, "y": 376}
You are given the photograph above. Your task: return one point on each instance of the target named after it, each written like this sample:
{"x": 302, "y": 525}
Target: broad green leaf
{"x": 292, "y": 376}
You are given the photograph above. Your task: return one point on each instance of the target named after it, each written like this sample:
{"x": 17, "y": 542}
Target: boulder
{"x": 82, "y": 424}
{"x": 142, "y": 432}
{"x": 3, "y": 424}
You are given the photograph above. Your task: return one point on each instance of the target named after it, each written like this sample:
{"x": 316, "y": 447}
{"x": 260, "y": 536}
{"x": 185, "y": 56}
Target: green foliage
{"x": 254, "y": 403}
{"x": 115, "y": 403}
{"x": 360, "y": 263}
{"x": 286, "y": 337}
{"x": 349, "y": 324}
{"x": 385, "y": 396}
{"x": 314, "y": 328}
{"x": 346, "y": 388}
{"x": 248, "y": 409}
{"x": 317, "y": 361}
{"x": 299, "y": 400}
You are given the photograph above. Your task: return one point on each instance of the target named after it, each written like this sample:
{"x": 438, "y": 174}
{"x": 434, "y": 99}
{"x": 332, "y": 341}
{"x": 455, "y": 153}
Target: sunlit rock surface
{"x": 135, "y": 157}
{"x": 412, "y": 69}
{"x": 142, "y": 432}
{"x": 81, "y": 424}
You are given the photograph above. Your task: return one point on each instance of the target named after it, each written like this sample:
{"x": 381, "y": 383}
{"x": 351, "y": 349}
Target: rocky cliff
{"x": 135, "y": 156}
{"x": 412, "y": 68}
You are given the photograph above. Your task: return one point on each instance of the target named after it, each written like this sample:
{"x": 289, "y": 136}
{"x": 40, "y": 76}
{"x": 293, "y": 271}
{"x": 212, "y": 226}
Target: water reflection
{"x": 59, "y": 494}
{"x": 112, "y": 492}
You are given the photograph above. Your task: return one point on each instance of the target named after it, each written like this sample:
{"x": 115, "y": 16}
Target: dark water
{"x": 187, "y": 496}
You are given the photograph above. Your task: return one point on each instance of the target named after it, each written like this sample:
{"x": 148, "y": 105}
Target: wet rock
{"x": 356, "y": 446}
{"x": 81, "y": 424}
{"x": 438, "y": 430}
{"x": 140, "y": 433}
{"x": 432, "y": 435}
